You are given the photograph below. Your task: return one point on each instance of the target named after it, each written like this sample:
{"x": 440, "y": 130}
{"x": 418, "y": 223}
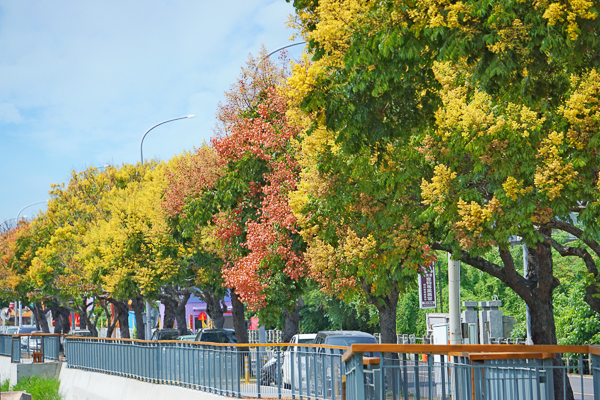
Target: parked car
{"x": 80, "y": 332}
{"x": 23, "y": 330}
{"x": 344, "y": 338}
{"x": 327, "y": 367}
{"x": 216, "y": 336}
{"x": 168, "y": 334}
{"x": 291, "y": 355}
{"x": 32, "y": 342}
{"x": 268, "y": 372}
{"x": 186, "y": 338}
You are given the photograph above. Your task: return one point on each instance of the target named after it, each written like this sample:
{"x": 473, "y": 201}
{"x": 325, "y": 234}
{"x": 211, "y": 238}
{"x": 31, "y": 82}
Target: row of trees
{"x": 408, "y": 128}
{"x": 478, "y": 120}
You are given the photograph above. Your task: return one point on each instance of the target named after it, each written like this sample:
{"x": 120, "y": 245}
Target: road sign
{"x": 427, "y": 297}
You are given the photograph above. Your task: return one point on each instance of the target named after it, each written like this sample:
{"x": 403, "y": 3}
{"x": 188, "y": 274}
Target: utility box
{"x": 441, "y": 334}
{"x": 508, "y": 324}
{"x": 469, "y": 317}
{"x": 490, "y": 321}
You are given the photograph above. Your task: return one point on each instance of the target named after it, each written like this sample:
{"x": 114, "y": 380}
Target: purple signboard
{"x": 427, "y": 288}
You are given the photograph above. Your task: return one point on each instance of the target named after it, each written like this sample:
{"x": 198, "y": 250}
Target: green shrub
{"x": 39, "y": 388}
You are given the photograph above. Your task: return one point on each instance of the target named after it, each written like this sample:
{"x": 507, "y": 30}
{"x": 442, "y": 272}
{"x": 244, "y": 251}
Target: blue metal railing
{"x": 224, "y": 369}
{"x": 20, "y": 347}
{"x": 473, "y": 372}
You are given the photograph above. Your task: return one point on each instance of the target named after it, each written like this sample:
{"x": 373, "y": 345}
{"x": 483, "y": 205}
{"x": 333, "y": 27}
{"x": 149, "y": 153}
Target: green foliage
{"x": 576, "y": 322}
{"x": 321, "y": 312}
{"x": 39, "y": 388}
{"x": 410, "y": 318}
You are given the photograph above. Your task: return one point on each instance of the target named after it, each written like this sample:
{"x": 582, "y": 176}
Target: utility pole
{"x": 454, "y": 300}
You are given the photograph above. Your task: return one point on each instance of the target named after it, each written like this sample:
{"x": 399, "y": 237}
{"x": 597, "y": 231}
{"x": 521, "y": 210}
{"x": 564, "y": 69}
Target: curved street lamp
{"x": 160, "y": 123}
{"x": 20, "y": 306}
{"x": 28, "y": 205}
{"x": 148, "y": 329}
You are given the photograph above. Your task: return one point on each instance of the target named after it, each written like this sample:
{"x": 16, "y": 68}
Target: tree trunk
{"x": 40, "y": 318}
{"x": 169, "y": 319}
{"x": 122, "y": 311}
{"x": 387, "y": 317}
{"x": 85, "y": 320}
{"x": 239, "y": 319}
{"x": 536, "y": 290}
{"x": 60, "y": 315}
{"x": 175, "y": 301}
{"x": 111, "y": 321}
{"x": 138, "y": 305}
{"x": 543, "y": 329}
{"x": 214, "y": 309}
{"x": 66, "y": 313}
{"x": 291, "y": 321}
{"x": 180, "y": 313}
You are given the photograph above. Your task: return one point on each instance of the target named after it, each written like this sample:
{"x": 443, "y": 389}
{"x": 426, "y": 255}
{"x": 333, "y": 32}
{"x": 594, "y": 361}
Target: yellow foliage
{"x": 555, "y": 13}
{"x": 582, "y": 109}
{"x": 436, "y": 190}
{"x": 513, "y": 188}
{"x": 555, "y": 172}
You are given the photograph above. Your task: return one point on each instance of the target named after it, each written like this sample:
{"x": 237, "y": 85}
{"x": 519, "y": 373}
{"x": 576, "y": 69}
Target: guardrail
{"x": 271, "y": 336}
{"x": 36, "y": 347}
{"x": 473, "y": 372}
{"x": 241, "y": 370}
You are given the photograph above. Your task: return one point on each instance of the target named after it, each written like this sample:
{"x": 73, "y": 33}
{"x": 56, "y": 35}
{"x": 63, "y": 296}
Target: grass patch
{"x": 39, "y": 388}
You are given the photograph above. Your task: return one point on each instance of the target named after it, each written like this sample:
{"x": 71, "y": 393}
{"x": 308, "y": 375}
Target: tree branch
{"x": 573, "y": 251}
{"x": 573, "y": 230}
{"x": 515, "y": 281}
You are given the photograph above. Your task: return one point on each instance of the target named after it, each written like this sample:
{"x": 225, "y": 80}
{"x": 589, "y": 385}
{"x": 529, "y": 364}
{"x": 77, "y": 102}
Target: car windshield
{"x": 348, "y": 340}
{"x": 306, "y": 340}
{"x": 168, "y": 335}
{"x": 217, "y": 337}
{"x": 12, "y": 330}
{"x": 28, "y": 329}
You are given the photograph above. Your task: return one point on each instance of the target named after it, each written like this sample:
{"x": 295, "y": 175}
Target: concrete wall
{"x": 5, "y": 368}
{"x": 76, "y": 384}
{"x": 16, "y": 372}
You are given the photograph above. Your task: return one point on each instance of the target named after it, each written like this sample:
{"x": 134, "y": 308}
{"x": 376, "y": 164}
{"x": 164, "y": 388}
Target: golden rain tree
{"x": 499, "y": 100}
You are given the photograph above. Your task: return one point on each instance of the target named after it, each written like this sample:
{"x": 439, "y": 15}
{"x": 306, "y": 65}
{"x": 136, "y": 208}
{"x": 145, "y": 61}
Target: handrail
{"x": 33, "y": 334}
{"x": 467, "y": 348}
{"x": 323, "y": 346}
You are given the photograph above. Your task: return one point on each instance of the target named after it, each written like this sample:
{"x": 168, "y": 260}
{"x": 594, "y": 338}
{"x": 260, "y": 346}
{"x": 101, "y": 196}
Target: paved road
{"x": 588, "y": 389}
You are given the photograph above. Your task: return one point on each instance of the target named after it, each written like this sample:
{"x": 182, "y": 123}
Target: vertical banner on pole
{"x": 427, "y": 298}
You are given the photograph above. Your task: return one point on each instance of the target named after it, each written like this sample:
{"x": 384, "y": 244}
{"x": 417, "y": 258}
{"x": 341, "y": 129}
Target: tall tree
{"x": 499, "y": 99}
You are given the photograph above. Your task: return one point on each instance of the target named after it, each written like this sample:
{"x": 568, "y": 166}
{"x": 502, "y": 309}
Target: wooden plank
{"x": 370, "y": 360}
{"x": 508, "y": 356}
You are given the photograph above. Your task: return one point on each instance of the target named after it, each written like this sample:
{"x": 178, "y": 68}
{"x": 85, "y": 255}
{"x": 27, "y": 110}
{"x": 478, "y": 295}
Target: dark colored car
{"x": 186, "y": 338}
{"x": 325, "y": 366}
{"x": 344, "y": 338}
{"x": 216, "y": 336}
{"x": 168, "y": 334}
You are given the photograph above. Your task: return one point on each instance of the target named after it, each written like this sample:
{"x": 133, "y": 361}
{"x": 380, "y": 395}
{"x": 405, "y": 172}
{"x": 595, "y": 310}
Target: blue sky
{"x": 81, "y": 81}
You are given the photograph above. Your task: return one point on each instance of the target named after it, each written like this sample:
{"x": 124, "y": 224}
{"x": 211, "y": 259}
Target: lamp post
{"x": 148, "y": 326}
{"x": 454, "y": 300}
{"x": 20, "y": 306}
{"x": 160, "y": 123}
{"x": 28, "y": 205}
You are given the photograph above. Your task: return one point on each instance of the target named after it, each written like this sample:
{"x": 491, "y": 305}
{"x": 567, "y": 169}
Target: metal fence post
{"x": 16, "y": 349}
{"x": 359, "y": 383}
{"x": 596, "y": 375}
{"x": 278, "y": 351}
